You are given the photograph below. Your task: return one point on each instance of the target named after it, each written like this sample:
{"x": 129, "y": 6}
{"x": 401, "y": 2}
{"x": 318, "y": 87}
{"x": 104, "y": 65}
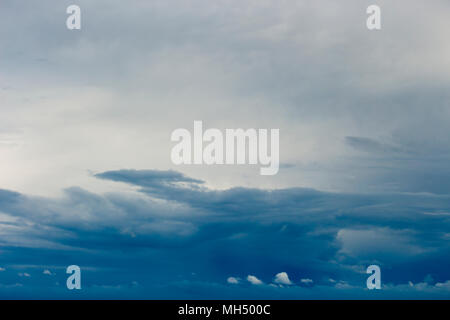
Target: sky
{"x": 86, "y": 176}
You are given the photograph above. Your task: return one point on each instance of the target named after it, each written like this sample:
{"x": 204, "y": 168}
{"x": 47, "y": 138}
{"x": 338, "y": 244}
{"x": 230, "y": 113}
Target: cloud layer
{"x": 171, "y": 236}
{"x": 358, "y": 111}
{"x": 363, "y": 119}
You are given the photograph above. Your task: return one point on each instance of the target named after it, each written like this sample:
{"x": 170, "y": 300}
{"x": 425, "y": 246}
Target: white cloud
{"x": 24, "y": 274}
{"x": 307, "y": 281}
{"x": 233, "y": 280}
{"x": 282, "y": 278}
{"x": 254, "y": 280}
{"x": 343, "y": 285}
{"x": 422, "y": 286}
{"x": 444, "y": 285}
{"x": 47, "y": 272}
{"x": 2, "y": 269}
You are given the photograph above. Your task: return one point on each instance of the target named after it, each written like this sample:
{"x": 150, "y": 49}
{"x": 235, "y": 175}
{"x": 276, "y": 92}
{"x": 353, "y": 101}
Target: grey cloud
{"x": 312, "y": 70}
{"x": 372, "y": 146}
{"x": 173, "y": 223}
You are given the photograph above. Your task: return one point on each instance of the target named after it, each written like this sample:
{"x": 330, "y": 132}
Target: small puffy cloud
{"x": 444, "y": 285}
{"x": 24, "y": 274}
{"x": 254, "y": 280}
{"x": 282, "y": 278}
{"x": 307, "y": 281}
{"x": 343, "y": 285}
{"x": 233, "y": 280}
{"x": 48, "y": 272}
{"x": 2, "y": 269}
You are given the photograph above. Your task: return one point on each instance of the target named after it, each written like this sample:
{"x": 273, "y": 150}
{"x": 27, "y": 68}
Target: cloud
{"x": 2, "y": 269}
{"x": 47, "y": 272}
{"x": 254, "y": 280}
{"x": 378, "y": 242}
{"x": 371, "y": 132}
{"x": 444, "y": 285}
{"x": 308, "y": 281}
{"x": 372, "y": 146}
{"x": 24, "y": 274}
{"x": 147, "y": 178}
{"x": 233, "y": 280}
{"x": 282, "y": 278}
{"x": 170, "y": 218}
{"x": 238, "y": 72}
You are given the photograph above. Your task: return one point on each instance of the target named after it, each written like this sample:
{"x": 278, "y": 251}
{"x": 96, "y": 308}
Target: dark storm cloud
{"x": 176, "y": 233}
